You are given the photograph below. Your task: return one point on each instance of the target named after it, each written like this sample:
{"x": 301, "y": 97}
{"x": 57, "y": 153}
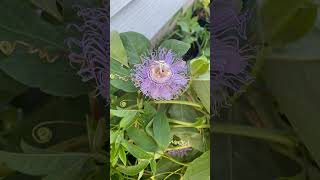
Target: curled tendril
{"x": 42, "y": 134}
{"x": 123, "y": 103}
{"x": 8, "y": 48}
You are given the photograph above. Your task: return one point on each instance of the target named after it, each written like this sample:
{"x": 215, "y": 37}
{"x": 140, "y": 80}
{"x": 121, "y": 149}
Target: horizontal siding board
{"x": 146, "y": 16}
{"x": 117, "y": 5}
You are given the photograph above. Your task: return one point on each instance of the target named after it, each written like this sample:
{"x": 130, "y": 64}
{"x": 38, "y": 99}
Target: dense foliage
{"x": 159, "y": 124}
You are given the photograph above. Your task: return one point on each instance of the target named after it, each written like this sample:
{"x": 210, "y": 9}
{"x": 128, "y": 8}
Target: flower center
{"x": 160, "y": 71}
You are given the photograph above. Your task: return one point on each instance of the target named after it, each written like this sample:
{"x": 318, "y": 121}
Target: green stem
{"x": 198, "y": 127}
{"x": 175, "y": 161}
{"x": 179, "y": 102}
{"x": 175, "y": 172}
{"x": 252, "y": 132}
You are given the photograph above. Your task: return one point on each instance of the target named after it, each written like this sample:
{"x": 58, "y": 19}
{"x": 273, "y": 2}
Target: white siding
{"x": 145, "y": 16}
{"x": 117, "y": 5}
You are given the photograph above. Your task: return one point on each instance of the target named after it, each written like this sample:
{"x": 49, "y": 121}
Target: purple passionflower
{"x": 179, "y": 152}
{"x": 161, "y": 75}
{"x": 92, "y": 56}
{"x": 232, "y": 54}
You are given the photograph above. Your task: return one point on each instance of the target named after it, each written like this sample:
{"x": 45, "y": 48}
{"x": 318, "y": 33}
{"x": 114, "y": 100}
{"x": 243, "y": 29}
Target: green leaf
{"x": 133, "y": 170}
{"x": 113, "y": 136}
{"x": 148, "y": 112}
{"x": 122, "y": 155}
{"x": 199, "y": 168}
{"x": 136, "y": 151}
{"x": 282, "y": 22}
{"x": 201, "y": 86}
{"x": 136, "y": 45}
{"x": 114, "y": 155}
{"x": 199, "y": 66}
{"x": 141, "y": 139}
{"x": 37, "y": 164}
{"x": 180, "y": 48}
{"x": 192, "y": 136}
{"x": 117, "y": 51}
{"x": 126, "y": 86}
{"x": 292, "y": 75}
{"x": 127, "y": 121}
{"x": 153, "y": 166}
{"x": 120, "y": 77}
{"x": 128, "y": 117}
{"x": 122, "y": 112}
{"x": 182, "y": 112}
{"x": 57, "y": 78}
{"x": 50, "y": 7}
{"x": 161, "y": 130}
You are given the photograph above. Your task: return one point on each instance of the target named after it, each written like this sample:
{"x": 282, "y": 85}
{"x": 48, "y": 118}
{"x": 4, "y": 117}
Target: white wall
{"x": 144, "y": 16}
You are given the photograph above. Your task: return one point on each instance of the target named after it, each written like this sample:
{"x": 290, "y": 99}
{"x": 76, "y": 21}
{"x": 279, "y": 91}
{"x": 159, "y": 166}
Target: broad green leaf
{"x": 136, "y": 151}
{"x": 292, "y": 76}
{"x": 192, "y": 136}
{"x": 199, "y": 168}
{"x": 180, "y": 48}
{"x": 153, "y": 166}
{"x": 127, "y": 121}
{"x": 165, "y": 165}
{"x": 113, "y": 136}
{"x": 128, "y": 117}
{"x": 74, "y": 171}
{"x": 201, "y": 86}
{"x": 136, "y": 45}
{"x": 199, "y": 66}
{"x": 120, "y": 77}
{"x": 117, "y": 51}
{"x": 161, "y": 130}
{"x": 50, "y": 7}
{"x": 122, "y": 112}
{"x": 122, "y": 155}
{"x": 182, "y": 113}
{"x": 126, "y": 86}
{"x": 57, "y": 78}
{"x": 148, "y": 112}
{"x": 114, "y": 155}
{"x": 133, "y": 170}
{"x": 282, "y": 22}
{"x": 141, "y": 139}
{"x": 42, "y": 164}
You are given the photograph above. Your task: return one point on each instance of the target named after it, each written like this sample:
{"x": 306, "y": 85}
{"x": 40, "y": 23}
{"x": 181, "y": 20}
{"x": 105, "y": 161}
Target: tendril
{"x": 8, "y": 48}
{"x": 42, "y": 134}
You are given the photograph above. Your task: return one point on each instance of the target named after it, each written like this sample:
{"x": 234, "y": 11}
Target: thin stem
{"x": 179, "y": 102}
{"x": 175, "y": 172}
{"x": 175, "y": 161}
{"x": 182, "y": 124}
{"x": 197, "y": 127}
{"x": 252, "y": 132}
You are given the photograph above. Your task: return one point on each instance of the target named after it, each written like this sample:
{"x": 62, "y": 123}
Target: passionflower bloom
{"x": 179, "y": 152}
{"x": 161, "y": 75}
{"x": 92, "y": 56}
{"x": 232, "y": 54}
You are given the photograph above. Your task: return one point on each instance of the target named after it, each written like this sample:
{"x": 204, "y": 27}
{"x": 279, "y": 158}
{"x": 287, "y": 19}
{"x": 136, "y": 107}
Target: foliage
{"x": 153, "y": 139}
{"x": 52, "y": 123}
{"x": 272, "y": 122}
